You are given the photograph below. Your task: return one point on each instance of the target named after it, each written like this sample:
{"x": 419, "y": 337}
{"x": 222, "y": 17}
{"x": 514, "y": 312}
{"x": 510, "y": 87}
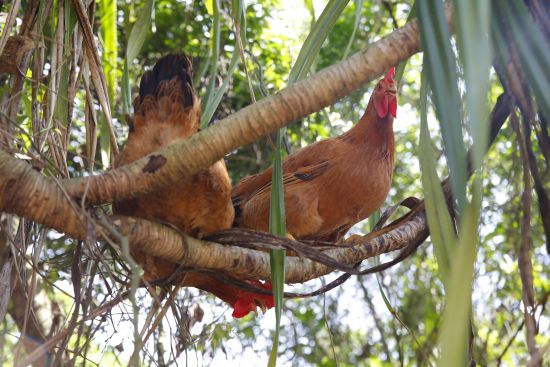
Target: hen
{"x": 332, "y": 184}
{"x": 167, "y": 110}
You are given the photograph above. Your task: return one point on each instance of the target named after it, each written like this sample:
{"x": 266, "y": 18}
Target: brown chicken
{"x": 167, "y": 110}
{"x": 332, "y": 184}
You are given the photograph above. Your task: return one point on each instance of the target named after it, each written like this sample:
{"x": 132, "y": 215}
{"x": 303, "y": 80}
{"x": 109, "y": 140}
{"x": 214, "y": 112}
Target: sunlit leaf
{"x": 314, "y": 41}
{"x": 209, "y": 4}
{"x": 440, "y": 66}
{"x": 216, "y": 98}
{"x": 139, "y": 30}
{"x": 358, "y": 9}
{"x": 456, "y": 317}
{"x": 472, "y": 29}
{"x": 213, "y": 97}
{"x": 277, "y": 225}
{"x": 400, "y": 69}
{"x": 214, "y": 54}
{"x": 108, "y": 31}
{"x": 277, "y": 219}
{"x": 135, "y": 43}
{"x": 439, "y": 221}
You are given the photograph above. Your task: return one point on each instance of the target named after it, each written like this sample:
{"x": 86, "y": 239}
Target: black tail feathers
{"x": 166, "y": 68}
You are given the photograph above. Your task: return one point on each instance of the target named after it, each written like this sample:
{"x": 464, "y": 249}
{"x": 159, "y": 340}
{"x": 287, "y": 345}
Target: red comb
{"x": 390, "y": 75}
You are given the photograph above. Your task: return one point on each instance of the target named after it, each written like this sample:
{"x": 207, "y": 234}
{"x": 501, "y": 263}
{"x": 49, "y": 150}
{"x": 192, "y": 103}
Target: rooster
{"x": 165, "y": 111}
{"x": 331, "y": 185}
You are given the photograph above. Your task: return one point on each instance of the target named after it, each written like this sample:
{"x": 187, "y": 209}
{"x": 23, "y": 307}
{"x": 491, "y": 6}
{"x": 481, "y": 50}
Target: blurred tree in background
{"x": 53, "y": 116}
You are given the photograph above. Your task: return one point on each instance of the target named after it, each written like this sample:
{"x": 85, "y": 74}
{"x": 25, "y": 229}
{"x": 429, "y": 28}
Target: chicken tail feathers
{"x": 166, "y": 95}
{"x": 174, "y": 66}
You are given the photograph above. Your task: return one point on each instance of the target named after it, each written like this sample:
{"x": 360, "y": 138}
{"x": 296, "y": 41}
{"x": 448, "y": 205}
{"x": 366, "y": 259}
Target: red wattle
{"x": 393, "y": 107}
{"x": 390, "y": 75}
{"x": 382, "y": 107}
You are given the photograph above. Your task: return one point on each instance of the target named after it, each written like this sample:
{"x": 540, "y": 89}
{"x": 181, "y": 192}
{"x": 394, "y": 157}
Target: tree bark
{"x": 29, "y": 194}
{"x": 187, "y": 157}
{"x": 56, "y": 204}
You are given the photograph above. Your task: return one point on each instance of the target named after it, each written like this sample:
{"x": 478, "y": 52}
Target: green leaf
{"x": 214, "y": 54}
{"x": 456, "y": 317}
{"x": 472, "y": 29}
{"x": 277, "y": 226}
{"x": 139, "y": 30}
{"x": 209, "y": 4}
{"x": 277, "y": 219}
{"x": 373, "y": 219}
{"x": 108, "y": 32}
{"x": 212, "y": 99}
{"x": 440, "y": 66}
{"x": 512, "y": 17}
{"x": 277, "y": 223}
{"x": 277, "y": 262}
{"x": 61, "y": 110}
{"x": 216, "y": 98}
{"x": 135, "y": 43}
{"x": 310, "y": 9}
{"x": 400, "y": 69}
{"x": 312, "y": 45}
{"x": 382, "y": 293}
{"x": 439, "y": 220}
{"x": 358, "y": 9}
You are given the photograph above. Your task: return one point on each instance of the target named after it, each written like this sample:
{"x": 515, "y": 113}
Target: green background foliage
{"x": 351, "y": 325}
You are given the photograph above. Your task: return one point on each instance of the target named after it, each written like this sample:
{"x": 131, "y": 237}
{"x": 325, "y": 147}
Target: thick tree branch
{"x": 29, "y": 194}
{"x": 201, "y": 150}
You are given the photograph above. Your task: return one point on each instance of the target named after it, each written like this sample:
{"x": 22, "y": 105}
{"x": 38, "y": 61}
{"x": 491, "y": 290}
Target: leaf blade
{"x": 440, "y": 64}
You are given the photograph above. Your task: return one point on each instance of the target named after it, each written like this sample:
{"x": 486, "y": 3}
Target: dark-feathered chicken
{"x": 167, "y": 110}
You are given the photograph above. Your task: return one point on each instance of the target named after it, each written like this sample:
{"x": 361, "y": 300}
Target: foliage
{"x": 349, "y": 326}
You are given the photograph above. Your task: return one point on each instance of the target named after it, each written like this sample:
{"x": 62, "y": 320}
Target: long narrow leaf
{"x": 216, "y": 98}
{"x": 442, "y": 75}
{"x": 533, "y": 49}
{"x": 109, "y": 61}
{"x": 139, "y": 30}
{"x": 455, "y": 328}
{"x": 472, "y": 29}
{"x": 213, "y": 98}
{"x": 358, "y": 9}
{"x": 215, "y": 55}
{"x": 314, "y": 41}
{"x": 277, "y": 226}
{"x": 135, "y": 43}
{"x": 439, "y": 221}
{"x": 277, "y": 219}
{"x": 400, "y": 69}
{"x": 110, "y": 47}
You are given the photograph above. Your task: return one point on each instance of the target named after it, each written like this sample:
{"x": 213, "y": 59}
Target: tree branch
{"x": 201, "y": 150}
{"x": 29, "y": 194}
